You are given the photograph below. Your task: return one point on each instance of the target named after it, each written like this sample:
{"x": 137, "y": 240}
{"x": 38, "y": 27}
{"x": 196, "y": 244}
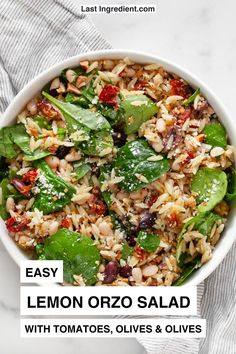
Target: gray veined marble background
{"x": 199, "y": 35}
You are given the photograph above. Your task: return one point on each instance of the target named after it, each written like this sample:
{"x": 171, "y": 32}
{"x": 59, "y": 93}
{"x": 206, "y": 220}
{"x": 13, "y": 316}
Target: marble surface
{"x": 199, "y": 35}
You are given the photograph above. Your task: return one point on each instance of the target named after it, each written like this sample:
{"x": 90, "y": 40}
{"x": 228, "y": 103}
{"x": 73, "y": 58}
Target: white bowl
{"x": 33, "y": 87}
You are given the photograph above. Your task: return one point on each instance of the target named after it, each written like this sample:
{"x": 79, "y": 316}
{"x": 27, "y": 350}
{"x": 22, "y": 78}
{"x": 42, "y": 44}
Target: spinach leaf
{"x": 215, "y": 135}
{"x": 16, "y": 135}
{"x": 210, "y": 186}
{"x": 7, "y": 190}
{"x": 39, "y": 249}
{"x": 5, "y": 193}
{"x": 84, "y": 99}
{"x": 137, "y": 109}
{"x": 81, "y": 169}
{"x": 88, "y": 92}
{"x": 61, "y": 133}
{"x": 188, "y": 271}
{"x": 12, "y": 136}
{"x": 37, "y": 155}
{"x": 7, "y": 147}
{"x": 108, "y": 112}
{"x": 126, "y": 252}
{"x": 104, "y": 173}
{"x": 78, "y": 132}
{"x": 99, "y": 144}
{"x": 79, "y": 254}
{"x": 89, "y": 119}
{"x": 42, "y": 122}
{"x": 191, "y": 99}
{"x": 77, "y": 99}
{"x": 203, "y": 223}
{"x": 132, "y": 161}
{"x": 231, "y": 192}
{"x": 53, "y": 192}
{"x": 149, "y": 242}
{"x": 20, "y": 137}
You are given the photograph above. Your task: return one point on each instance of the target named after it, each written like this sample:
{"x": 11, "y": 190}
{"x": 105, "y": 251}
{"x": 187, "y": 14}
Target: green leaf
{"x": 191, "y": 99}
{"x": 20, "y": 137}
{"x": 99, "y": 144}
{"x": 79, "y": 254}
{"x": 7, "y": 190}
{"x": 104, "y": 173}
{"x": 77, "y": 99}
{"x": 42, "y": 122}
{"x": 149, "y": 242}
{"x": 16, "y": 135}
{"x": 11, "y": 136}
{"x": 137, "y": 109}
{"x": 7, "y": 148}
{"x": 85, "y": 98}
{"x": 215, "y": 135}
{"x": 210, "y": 186}
{"x": 89, "y": 119}
{"x": 187, "y": 272}
{"x": 203, "y": 223}
{"x": 37, "y": 155}
{"x": 231, "y": 191}
{"x": 126, "y": 252}
{"x": 5, "y": 193}
{"x": 81, "y": 169}
{"x": 54, "y": 193}
{"x": 108, "y": 112}
{"x": 61, "y": 133}
{"x": 132, "y": 161}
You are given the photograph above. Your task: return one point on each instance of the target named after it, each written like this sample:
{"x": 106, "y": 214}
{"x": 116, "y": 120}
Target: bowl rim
{"x": 36, "y": 84}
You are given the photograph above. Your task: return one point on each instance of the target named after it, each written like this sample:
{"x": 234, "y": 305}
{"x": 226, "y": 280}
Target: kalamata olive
{"x": 110, "y": 272}
{"x": 126, "y": 271}
{"x": 119, "y": 137}
{"x": 131, "y": 240}
{"x": 62, "y": 151}
{"x": 53, "y": 92}
{"x": 147, "y": 221}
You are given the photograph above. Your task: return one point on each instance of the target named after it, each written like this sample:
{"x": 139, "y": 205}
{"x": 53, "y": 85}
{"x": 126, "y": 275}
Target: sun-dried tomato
{"x": 140, "y": 85}
{"x": 139, "y": 253}
{"x": 66, "y": 222}
{"x": 30, "y": 177}
{"x": 96, "y": 206}
{"x": 15, "y": 225}
{"x": 21, "y": 186}
{"x": 47, "y": 109}
{"x": 108, "y": 94}
{"x": 179, "y": 88}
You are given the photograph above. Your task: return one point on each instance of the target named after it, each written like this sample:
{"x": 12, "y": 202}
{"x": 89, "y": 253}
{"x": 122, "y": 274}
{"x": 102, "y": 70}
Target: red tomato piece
{"x": 108, "y": 94}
